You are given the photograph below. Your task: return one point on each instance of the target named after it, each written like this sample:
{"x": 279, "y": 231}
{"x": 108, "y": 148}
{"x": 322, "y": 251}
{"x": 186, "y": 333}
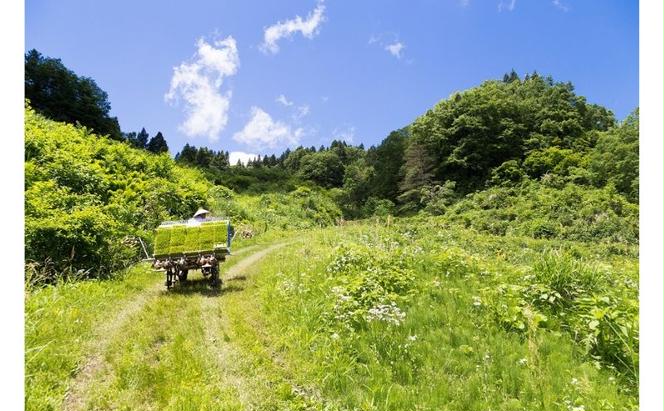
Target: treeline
{"x": 59, "y": 94}
{"x": 512, "y": 156}
{"x": 501, "y": 134}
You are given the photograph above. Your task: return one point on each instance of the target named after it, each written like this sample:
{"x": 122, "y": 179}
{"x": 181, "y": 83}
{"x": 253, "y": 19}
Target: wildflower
{"x": 335, "y": 336}
{"x": 412, "y": 337}
{"x": 574, "y": 381}
{"x": 477, "y": 301}
{"x": 578, "y": 408}
{"x": 390, "y": 314}
{"x": 436, "y": 283}
{"x": 522, "y": 361}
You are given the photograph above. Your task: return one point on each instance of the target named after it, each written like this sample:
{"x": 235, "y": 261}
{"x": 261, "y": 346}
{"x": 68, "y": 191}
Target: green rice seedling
{"x": 178, "y": 236}
{"x": 206, "y": 237}
{"x": 221, "y": 234}
{"x": 162, "y": 240}
{"x": 192, "y": 237}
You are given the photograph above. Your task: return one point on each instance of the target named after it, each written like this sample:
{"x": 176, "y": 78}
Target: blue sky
{"x": 253, "y": 77}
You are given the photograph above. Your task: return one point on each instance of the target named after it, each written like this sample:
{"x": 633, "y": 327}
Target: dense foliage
{"x": 538, "y": 210}
{"x": 525, "y": 157}
{"x": 59, "y": 94}
{"x": 532, "y": 143}
{"x": 302, "y": 207}
{"x": 86, "y": 197}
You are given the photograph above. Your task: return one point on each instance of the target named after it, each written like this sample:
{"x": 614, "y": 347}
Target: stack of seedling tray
{"x": 179, "y": 239}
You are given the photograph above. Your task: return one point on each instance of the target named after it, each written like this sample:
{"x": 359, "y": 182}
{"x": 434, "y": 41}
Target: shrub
{"x": 87, "y": 196}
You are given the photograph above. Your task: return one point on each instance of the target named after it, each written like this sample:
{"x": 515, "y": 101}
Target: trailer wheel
{"x": 182, "y": 275}
{"x": 169, "y": 278}
{"x": 215, "y": 281}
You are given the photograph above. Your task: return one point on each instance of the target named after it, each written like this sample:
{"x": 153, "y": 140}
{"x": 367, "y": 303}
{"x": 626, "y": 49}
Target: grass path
{"x": 181, "y": 349}
{"x": 93, "y": 365}
{"x": 220, "y": 334}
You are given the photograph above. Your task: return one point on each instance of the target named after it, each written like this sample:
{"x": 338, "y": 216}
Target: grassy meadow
{"x": 377, "y": 315}
{"x": 423, "y": 316}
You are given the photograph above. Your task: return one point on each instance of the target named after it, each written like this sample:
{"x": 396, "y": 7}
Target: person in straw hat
{"x": 199, "y": 216}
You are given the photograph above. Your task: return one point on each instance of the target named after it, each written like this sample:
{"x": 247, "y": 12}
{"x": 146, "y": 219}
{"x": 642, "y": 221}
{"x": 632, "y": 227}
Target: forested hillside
{"x": 524, "y": 156}
{"x": 501, "y": 132}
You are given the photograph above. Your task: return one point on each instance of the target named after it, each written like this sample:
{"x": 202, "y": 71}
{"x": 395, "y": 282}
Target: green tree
{"x": 187, "y": 155}
{"x": 475, "y": 131}
{"x": 387, "y": 160}
{"x": 615, "y": 158}
{"x": 59, "y": 94}
{"x": 157, "y": 144}
{"x": 357, "y": 184}
{"x": 323, "y": 168}
{"x": 142, "y": 139}
{"x": 418, "y": 174}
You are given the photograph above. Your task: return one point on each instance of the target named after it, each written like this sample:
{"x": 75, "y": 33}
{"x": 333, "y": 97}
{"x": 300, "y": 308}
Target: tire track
{"x": 94, "y": 363}
{"x": 218, "y": 332}
{"x": 74, "y": 399}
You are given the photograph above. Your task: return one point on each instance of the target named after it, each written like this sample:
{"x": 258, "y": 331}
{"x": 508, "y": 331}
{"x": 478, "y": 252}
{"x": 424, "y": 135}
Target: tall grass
{"x": 404, "y": 318}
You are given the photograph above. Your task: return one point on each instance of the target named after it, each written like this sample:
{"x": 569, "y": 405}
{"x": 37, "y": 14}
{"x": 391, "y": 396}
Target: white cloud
{"x": 309, "y": 27}
{"x": 507, "y": 6}
{"x": 283, "y": 100}
{"x": 234, "y": 156}
{"x": 301, "y": 111}
{"x": 560, "y": 5}
{"x": 464, "y": 3}
{"x": 389, "y": 42}
{"x": 198, "y": 83}
{"x": 346, "y": 134}
{"x": 395, "y": 49}
{"x": 261, "y": 131}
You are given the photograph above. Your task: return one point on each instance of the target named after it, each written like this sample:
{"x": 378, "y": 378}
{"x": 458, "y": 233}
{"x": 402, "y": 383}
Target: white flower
{"x": 390, "y": 314}
{"x": 335, "y": 336}
{"x": 412, "y": 337}
{"x": 477, "y": 301}
{"x": 574, "y": 381}
{"x": 523, "y": 361}
{"x": 579, "y": 408}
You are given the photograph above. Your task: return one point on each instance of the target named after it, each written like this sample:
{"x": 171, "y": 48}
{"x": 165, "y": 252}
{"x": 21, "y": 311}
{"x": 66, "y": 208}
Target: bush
{"x": 538, "y": 210}
{"x": 368, "y": 286}
{"x": 87, "y": 198}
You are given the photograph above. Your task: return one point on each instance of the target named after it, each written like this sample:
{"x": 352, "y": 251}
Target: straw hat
{"x": 201, "y": 211}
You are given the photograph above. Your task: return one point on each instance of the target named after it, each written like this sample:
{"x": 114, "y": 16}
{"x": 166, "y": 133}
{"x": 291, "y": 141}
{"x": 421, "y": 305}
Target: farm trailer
{"x": 180, "y": 246}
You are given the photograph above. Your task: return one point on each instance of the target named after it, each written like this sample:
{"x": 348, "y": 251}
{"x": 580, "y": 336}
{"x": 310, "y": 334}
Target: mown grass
{"x": 60, "y": 321}
{"x": 63, "y": 322}
{"x": 161, "y": 361}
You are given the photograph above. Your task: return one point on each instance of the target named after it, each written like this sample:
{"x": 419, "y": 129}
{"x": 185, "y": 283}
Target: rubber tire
{"x": 182, "y": 275}
{"x": 215, "y": 281}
